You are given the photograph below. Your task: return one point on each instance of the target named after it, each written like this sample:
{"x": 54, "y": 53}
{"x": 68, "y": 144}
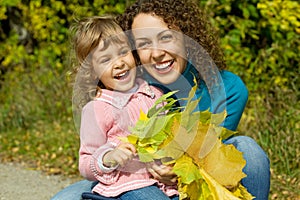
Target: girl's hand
{"x": 162, "y": 173}
{"x": 120, "y": 155}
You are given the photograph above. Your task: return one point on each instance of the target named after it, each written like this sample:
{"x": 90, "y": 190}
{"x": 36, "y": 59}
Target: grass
{"x": 52, "y": 145}
{"x": 274, "y": 121}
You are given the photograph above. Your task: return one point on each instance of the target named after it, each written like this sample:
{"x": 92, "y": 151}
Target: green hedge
{"x": 261, "y": 40}
{"x": 34, "y": 57}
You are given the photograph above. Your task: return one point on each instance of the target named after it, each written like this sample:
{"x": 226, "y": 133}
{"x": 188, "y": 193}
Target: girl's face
{"x": 161, "y": 50}
{"x": 115, "y": 66}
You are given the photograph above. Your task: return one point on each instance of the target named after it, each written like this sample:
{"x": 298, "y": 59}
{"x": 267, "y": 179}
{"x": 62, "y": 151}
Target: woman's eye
{"x": 166, "y": 38}
{"x": 143, "y": 44}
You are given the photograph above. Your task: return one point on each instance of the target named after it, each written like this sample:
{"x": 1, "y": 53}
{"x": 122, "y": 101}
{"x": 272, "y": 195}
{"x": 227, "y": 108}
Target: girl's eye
{"x": 103, "y": 60}
{"x": 124, "y": 51}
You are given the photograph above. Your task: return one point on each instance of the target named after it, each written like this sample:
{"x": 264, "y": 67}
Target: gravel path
{"x": 16, "y": 182}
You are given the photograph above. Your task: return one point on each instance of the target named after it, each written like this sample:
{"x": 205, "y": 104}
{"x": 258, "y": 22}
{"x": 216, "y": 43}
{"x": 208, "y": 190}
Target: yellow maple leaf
{"x": 218, "y": 191}
{"x": 143, "y": 116}
{"x": 221, "y": 160}
{"x": 224, "y": 160}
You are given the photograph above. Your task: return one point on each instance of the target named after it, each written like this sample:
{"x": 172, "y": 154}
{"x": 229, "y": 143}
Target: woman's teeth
{"x": 164, "y": 65}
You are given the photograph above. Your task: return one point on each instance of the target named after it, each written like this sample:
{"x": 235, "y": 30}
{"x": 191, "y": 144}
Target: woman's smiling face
{"x": 161, "y": 50}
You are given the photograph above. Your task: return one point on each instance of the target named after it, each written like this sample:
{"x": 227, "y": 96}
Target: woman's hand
{"x": 162, "y": 173}
{"x": 120, "y": 155}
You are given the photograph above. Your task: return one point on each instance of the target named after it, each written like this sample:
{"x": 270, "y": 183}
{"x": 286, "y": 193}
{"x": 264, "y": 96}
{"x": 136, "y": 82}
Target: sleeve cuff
{"x": 101, "y": 165}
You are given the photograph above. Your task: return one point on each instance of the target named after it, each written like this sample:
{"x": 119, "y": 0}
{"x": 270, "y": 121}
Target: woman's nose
{"x": 157, "y": 53}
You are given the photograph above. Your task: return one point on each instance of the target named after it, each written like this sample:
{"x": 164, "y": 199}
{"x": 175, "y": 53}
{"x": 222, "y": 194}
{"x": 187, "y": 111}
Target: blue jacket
{"x": 230, "y": 93}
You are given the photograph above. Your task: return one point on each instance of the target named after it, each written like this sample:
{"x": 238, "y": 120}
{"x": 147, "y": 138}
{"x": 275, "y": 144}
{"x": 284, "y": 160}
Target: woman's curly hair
{"x": 192, "y": 21}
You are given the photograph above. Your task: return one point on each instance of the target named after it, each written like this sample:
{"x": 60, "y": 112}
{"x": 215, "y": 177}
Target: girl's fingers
{"x": 128, "y": 146}
{"x": 154, "y": 174}
{"x": 162, "y": 173}
{"x": 163, "y": 170}
{"x": 124, "y": 153}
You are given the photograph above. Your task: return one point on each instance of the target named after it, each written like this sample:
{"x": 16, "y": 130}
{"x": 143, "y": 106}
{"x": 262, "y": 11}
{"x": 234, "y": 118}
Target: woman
{"x": 162, "y": 54}
{"x": 163, "y": 51}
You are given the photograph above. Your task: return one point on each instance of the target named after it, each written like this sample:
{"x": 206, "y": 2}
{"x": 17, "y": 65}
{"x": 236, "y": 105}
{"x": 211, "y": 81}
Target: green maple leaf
{"x": 164, "y": 100}
{"x": 187, "y": 170}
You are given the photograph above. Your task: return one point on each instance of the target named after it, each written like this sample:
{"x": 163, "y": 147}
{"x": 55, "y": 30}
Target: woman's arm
{"x": 236, "y": 99}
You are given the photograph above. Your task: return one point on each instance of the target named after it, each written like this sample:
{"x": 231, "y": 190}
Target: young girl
{"x": 106, "y": 63}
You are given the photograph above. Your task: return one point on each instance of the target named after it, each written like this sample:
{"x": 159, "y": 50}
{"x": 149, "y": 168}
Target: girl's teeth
{"x": 122, "y": 74}
{"x": 119, "y": 76}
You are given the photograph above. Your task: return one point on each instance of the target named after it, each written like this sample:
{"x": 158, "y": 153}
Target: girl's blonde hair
{"x": 86, "y": 34}
{"x": 89, "y": 31}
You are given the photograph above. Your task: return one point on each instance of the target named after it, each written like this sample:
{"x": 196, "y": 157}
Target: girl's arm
{"x": 93, "y": 144}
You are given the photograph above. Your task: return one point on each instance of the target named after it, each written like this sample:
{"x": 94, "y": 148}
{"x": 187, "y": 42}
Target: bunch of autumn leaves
{"x": 191, "y": 142}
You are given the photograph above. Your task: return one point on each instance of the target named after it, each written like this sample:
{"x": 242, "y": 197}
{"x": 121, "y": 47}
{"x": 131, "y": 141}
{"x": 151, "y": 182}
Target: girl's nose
{"x": 119, "y": 63}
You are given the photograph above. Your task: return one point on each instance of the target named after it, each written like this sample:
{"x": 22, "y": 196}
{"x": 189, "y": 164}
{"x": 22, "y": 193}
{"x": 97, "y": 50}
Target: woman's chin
{"x": 167, "y": 79}
{"x": 165, "y": 76}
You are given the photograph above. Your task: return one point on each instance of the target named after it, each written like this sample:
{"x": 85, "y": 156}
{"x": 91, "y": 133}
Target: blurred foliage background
{"x": 261, "y": 40}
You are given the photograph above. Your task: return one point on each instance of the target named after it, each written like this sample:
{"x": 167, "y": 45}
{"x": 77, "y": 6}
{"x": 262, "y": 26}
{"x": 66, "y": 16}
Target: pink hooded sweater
{"x": 103, "y": 121}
